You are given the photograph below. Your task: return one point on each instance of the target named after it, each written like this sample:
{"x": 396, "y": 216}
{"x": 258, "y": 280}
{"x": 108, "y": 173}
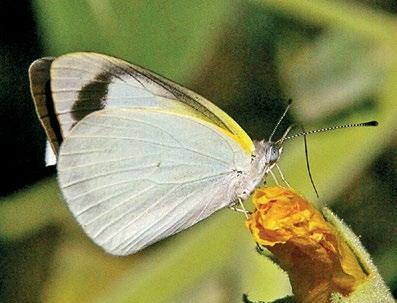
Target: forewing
{"x": 39, "y": 77}
{"x": 85, "y": 82}
{"x": 133, "y": 177}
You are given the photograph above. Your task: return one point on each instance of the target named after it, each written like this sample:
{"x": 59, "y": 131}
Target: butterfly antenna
{"x": 305, "y": 133}
{"x": 308, "y": 163}
{"x": 281, "y": 140}
{"x": 281, "y": 119}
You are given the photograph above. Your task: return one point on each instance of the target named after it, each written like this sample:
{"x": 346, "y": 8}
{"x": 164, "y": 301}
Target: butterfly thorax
{"x": 265, "y": 156}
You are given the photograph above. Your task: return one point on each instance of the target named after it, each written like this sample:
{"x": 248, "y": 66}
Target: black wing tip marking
{"x": 93, "y": 94}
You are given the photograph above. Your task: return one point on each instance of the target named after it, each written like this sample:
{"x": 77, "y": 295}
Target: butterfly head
{"x": 274, "y": 152}
{"x": 268, "y": 153}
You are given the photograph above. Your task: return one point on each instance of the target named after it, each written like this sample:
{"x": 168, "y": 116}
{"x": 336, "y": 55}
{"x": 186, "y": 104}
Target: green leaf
{"x": 172, "y": 38}
{"x": 348, "y": 70}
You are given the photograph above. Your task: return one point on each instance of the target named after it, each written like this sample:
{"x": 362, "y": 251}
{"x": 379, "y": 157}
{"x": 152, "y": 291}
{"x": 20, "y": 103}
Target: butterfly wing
{"x": 40, "y": 88}
{"x": 85, "y": 82}
{"x": 132, "y": 177}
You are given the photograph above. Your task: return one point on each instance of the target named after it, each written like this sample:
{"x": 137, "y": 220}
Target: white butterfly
{"x": 139, "y": 157}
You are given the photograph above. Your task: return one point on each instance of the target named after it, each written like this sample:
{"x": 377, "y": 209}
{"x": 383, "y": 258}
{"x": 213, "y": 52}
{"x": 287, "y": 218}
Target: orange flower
{"x": 316, "y": 258}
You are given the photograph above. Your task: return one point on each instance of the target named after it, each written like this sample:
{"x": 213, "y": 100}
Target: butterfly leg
{"x": 274, "y": 177}
{"x": 282, "y": 176}
{"x": 240, "y": 209}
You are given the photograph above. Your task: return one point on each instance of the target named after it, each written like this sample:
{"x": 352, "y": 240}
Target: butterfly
{"x": 139, "y": 157}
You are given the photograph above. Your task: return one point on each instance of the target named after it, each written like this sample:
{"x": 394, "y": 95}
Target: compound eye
{"x": 274, "y": 154}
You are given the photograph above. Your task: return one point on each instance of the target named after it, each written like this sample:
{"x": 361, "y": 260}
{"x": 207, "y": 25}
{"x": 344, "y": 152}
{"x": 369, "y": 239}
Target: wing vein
{"x": 126, "y": 244}
{"x": 109, "y": 173}
{"x": 147, "y": 209}
{"x": 85, "y": 193}
{"x": 107, "y": 161}
{"x": 120, "y": 204}
{"x": 152, "y": 142}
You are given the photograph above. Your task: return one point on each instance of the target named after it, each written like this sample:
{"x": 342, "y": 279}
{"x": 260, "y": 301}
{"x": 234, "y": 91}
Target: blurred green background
{"x": 336, "y": 59}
